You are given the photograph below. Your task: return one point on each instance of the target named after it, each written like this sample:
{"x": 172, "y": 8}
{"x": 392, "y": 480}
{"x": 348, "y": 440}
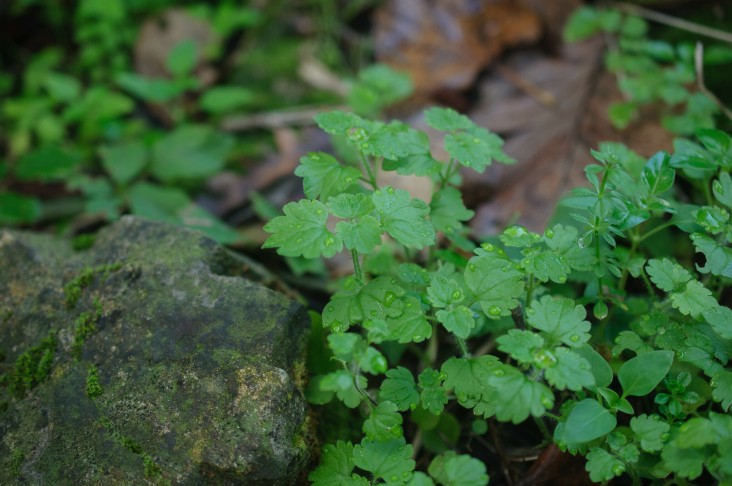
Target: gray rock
{"x": 143, "y": 360}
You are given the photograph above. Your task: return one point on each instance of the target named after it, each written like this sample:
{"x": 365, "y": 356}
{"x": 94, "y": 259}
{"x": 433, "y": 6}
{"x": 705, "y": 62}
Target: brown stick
{"x": 275, "y": 119}
{"x": 699, "y": 64}
{"x": 671, "y": 21}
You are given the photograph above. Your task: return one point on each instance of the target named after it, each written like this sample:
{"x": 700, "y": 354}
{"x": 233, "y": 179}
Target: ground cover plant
{"x": 606, "y": 336}
{"x": 434, "y": 340}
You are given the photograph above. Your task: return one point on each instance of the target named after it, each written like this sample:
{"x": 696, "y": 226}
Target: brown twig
{"x": 302, "y": 116}
{"x": 699, "y": 65}
{"x": 537, "y": 92}
{"x": 671, "y": 21}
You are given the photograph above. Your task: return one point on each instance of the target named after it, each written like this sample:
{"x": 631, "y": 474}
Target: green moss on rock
{"x": 166, "y": 369}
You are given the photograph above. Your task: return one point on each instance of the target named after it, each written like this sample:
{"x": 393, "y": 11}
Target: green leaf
{"x": 720, "y": 318}
{"x": 571, "y": 371}
{"x": 447, "y": 120}
{"x": 342, "y": 383}
{"x": 712, "y": 218}
{"x": 583, "y": 23}
{"x": 560, "y": 319}
{"x": 657, "y": 175}
{"x": 378, "y": 86}
{"x": 476, "y": 148}
{"x": 124, "y": 161}
{"x": 444, "y": 291}
{"x": 694, "y": 300}
{"x": 220, "y": 100}
{"x": 520, "y": 344}
{"x": 722, "y": 189}
{"x": 182, "y": 58}
{"x": 417, "y": 164}
{"x": 352, "y": 126}
{"x": 602, "y": 465}
{"x": 632, "y": 341}
{"x": 433, "y": 396}
{"x": 420, "y": 479}
{"x": 457, "y": 320}
{"x": 345, "y": 345}
{"x": 324, "y": 177}
{"x": 451, "y": 469}
{"x": 154, "y": 90}
{"x": 547, "y": 265}
{"x": 411, "y": 326}
{"x": 62, "y": 87}
{"x": 722, "y": 392}
{"x": 190, "y": 153}
{"x": 600, "y": 368}
{"x": 350, "y": 205}
{"x": 685, "y": 462}
{"x": 157, "y": 203}
{"x": 650, "y": 431}
{"x": 399, "y": 387}
{"x": 336, "y": 466}
{"x": 519, "y": 237}
{"x": 621, "y": 114}
{"x": 302, "y": 231}
{"x": 588, "y": 420}
{"x": 496, "y": 283}
{"x": 718, "y": 257}
{"x": 404, "y": 218}
{"x": 640, "y": 375}
{"x": 363, "y": 235}
{"x": 384, "y": 423}
{"x": 518, "y": 396}
{"x": 47, "y": 164}
{"x": 355, "y": 303}
{"x": 469, "y": 378}
{"x": 390, "y": 460}
{"x": 666, "y": 274}
{"x": 447, "y": 210}
{"x": 372, "y": 361}
{"x": 18, "y": 209}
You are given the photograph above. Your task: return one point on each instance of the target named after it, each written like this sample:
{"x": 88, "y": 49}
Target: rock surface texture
{"x": 146, "y": 360}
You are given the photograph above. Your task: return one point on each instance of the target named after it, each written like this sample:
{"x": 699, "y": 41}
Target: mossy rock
{"x": 164, "y": 367}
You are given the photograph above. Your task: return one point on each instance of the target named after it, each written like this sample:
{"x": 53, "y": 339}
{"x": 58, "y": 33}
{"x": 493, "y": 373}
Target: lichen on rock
{"x": 180, "y": 373}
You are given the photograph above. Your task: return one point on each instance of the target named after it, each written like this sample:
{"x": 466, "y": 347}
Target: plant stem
{"x": 445, "y": 178}
{"x": 543, "y": 428}
{"x": 357, "y": 266}
{"x": 367, "y": 167}
{"x": 655, "y": 230}
{"x": 463, "y": 347}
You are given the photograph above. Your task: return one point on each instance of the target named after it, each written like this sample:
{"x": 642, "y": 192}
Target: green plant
{"x": 411, "y": 329}
{"x": 649, "y": 71}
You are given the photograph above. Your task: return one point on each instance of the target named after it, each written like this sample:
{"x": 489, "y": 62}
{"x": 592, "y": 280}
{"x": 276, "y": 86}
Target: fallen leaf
{"x": 444, "y": 45}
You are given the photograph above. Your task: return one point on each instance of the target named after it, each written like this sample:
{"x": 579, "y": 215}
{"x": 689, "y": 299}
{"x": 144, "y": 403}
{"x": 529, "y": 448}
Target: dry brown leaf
{"x": 551, "y": 144}
{"x": 444, "y": 44}
{"x": 158, "y": 36}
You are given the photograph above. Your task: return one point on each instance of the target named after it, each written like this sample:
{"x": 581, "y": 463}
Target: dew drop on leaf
{"x": 329, "y": 241}
{"x": 389, "y": 298}
{"x": 574, "y": 338}
{"x": 394, "y": 478}
{"x": 456, "y": 295}
{"x": 494, "y": 310}
{"x": 374, "y": 313}
{"x": 378, "y": 193}
{"x": 661, "y": 330}
{"x": 390, "y": 190}
{"x": 531, "y": 311}
{"x": 600, "y": 310}
{"x": 546, "y": 401}
{"x": 498, "y": 373}
{"x": 471, "y": 267}
{"x": 487, "y": 247}
{"x": 549, "y": 233}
